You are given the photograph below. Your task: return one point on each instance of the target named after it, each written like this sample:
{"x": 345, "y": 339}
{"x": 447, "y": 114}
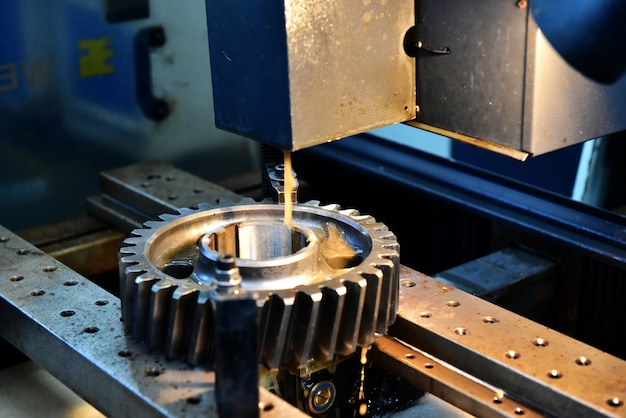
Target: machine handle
{"x": 413, "y": 46}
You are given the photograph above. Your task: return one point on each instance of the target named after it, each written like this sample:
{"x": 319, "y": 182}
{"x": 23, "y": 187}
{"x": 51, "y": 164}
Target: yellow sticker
{"x": 95, "y": 61}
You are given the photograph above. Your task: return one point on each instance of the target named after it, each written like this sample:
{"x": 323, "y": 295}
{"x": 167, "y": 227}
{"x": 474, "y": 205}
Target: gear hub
{"x": 323, "y": 285}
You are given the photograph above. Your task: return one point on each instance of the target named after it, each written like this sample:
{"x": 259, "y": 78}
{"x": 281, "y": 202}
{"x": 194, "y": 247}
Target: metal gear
{"x": 323, "y": 286}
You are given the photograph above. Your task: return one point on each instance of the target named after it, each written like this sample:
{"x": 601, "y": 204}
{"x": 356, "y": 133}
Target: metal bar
{"x": 71, "y": 327}
{"x": 137, "y": 193}
{"x": 84, "y": 244}
{"x": 433, "y": 376}
{"x": 528, "y": 361}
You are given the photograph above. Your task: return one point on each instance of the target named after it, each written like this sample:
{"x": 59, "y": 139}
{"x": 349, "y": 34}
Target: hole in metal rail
{"x": 540, "y": 342}
{"x": 172, "y": 197}
{"x": 67, "y": 313}
{"x": 4, "y": 239}
{"x": 102, "y": 302}
{"x": 16, "y": 278}
{"x": 194, "y": 400}
{"x": 555, "y": 374}
{"x": 23, "y": 252}
{"x": 145, "y": 184}
{"x": 512, "y": 354}
{"x": 519, "y": 411}
{"x": 460, "y": 331}
{"x": 410, "y": 356}
{"x": 49, "y": 269}
{"x": 153, "y": 176}
{"x": 429, "y": 365}
{"x": 170, "y": 178}
{"x": 125, "y": 353}
{"x": 152, "y": 372}
{"x": 265, "y": 407}
{"x": 425, "y": 314}
{"x": 615, "y": 402}
{"x": 583, "y": 361}
{"x": 37, "y": 292}
{"x": 197, "y": 190}
{"x": 497, "y": 399}
{"x": 490, "y": 320}
{"x": 92, "y": 330}
{"x": 453, "y": 303}
{"x": 70, "y": 283}
{"x": 407, "y": 283}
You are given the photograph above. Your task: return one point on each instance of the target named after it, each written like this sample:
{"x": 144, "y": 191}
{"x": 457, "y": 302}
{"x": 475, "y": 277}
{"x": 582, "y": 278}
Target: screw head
{"x": 321, "y": 397}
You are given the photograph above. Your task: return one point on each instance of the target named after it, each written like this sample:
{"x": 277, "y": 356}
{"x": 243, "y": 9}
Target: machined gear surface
{"x": 323, "y": 286}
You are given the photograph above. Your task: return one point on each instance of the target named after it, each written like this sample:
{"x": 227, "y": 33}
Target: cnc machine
{"x": 478, "y": 276}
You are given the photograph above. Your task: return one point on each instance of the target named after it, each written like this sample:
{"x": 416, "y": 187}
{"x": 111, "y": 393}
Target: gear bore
{"x": 323, "y": 285}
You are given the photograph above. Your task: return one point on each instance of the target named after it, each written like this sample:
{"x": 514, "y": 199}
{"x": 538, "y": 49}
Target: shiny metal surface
{"x": 503, "y": 83}
{"x": 72, "y": 328}
{"x": 553, "y": 373}
{"x": 329, "y": 69}
{"x": 326, "y": 286}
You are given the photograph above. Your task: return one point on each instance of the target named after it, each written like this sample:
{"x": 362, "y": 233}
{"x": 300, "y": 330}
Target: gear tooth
{"x": 331, "y": 206}
{"x": 351, "y": 318}
{"x": 126, "y": 256}
{"x": 393, "y": 277}
{"x": 274, "y": 318}
{"x": 150, "y": 225}
{"x": 302, "y": 327}
{"x": 129, "y": 246}
{"x": 141, "y": 305}
{"x": 184, "y": 300}
{"x": 364, "y": 219}
{"x": 201, "y": 338}
{"x": 350, "y": 212}
{"x": 165, "y": 217}
{"x": 371, "y": 307}
{"x": 158, "y": 320}
{"x": 311, "y": 203}
{"x": 132, "y": 237}
{"x": 377, "y": 228}
{"x": 129, "y": 264}
{"x": 181, "y": 212}
{"x": 203, "y": 206}
{"x": 128, "y": 273}
{"x": 392, "y": 246}
{"x": 388, "y": 293}
{"x": 330, "y": 313}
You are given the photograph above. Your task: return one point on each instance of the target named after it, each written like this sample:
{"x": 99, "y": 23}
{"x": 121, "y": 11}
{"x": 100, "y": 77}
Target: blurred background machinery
{"x": 524, "y": 208}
